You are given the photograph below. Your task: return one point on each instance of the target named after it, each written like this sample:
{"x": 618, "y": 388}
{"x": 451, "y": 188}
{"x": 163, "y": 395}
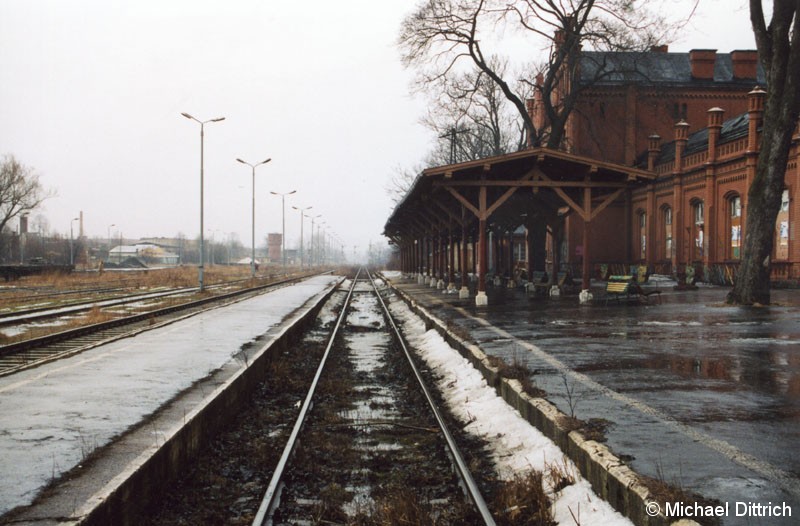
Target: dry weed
{"x": 523, "y": 500}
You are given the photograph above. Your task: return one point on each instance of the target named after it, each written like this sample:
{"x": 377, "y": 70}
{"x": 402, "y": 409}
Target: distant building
{"x": 148, "y": 253}
{"x": 274, "y": 241}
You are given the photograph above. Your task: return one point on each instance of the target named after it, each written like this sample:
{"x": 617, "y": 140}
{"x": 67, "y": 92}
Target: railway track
{"x": 32, "y": 352}
{"x": 100, "y": 297}
{"x": 365, "y": 449}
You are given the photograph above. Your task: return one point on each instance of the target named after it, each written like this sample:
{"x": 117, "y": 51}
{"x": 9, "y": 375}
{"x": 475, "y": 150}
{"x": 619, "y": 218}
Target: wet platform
{"x": 54, "y": 417}
{"x": 698, "y": 393}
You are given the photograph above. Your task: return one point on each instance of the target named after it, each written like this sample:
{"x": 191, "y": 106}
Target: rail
{"x": 458, "y": 459}
{"x": 49, "y": 339}
{"x": 271, "y": 498}
{"x": 272, "y": 495}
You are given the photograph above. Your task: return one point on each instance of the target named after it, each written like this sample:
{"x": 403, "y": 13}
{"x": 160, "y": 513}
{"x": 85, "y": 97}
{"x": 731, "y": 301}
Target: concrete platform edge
{"x": 122, "y": 498}
{"x": 610, "y": 478}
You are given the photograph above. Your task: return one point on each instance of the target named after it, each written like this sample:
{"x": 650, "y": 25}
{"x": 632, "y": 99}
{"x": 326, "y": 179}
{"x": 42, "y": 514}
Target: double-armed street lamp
{"x": 253, "y": 237}
{"x": 302, "y": 214}
{"x": 283, "y": 223}
{"x": 202, "y": 257}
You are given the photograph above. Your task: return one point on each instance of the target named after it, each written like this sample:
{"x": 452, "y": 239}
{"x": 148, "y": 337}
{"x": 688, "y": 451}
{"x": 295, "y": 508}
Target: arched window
{"x": 735, "y": 212}
{"x": 667, "y": 211}
{"x": 698, "y": 229}
{"x": 782, "y": 228}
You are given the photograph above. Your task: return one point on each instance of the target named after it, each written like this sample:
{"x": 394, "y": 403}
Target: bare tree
{"x": 20, "y": 190}
{"x": 442, "y": 36}
{"x": 401, "y": 182}
{"x": 779, "y": 52}
{"x": 472, "y": 117}
{"x": 472, "y": 120}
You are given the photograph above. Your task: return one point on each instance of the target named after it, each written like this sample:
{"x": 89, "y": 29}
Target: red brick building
{"x": 654, "y": 170}
{"x": 274, "y": 241}
{"x": 639, "y": 109}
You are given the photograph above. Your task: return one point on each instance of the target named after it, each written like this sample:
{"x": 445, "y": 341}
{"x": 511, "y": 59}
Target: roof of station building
{"x": 655, "y": 67}
{"x": 732, "y": 129}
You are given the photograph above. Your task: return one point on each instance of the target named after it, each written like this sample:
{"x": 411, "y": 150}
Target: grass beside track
{"x": 47, "y": 290}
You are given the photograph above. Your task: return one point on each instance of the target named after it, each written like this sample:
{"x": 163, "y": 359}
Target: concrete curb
{"x": 610, "y": 477}
{"x": 119, "y": 500}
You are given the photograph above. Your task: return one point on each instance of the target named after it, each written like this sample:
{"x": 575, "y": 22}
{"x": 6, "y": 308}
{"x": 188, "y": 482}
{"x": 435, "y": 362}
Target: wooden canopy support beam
{"x": 464, "y": 201}
{"x": 607, "y": 201}
{"x": 449, "y": 212}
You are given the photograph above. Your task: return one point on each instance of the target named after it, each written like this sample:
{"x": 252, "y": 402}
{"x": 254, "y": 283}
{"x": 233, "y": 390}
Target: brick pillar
{"x": 679, "y": 237}
{"x": 713, "y": 238}
{"x": 794, "y": 208}
{"x": 755, "y": 111}
{"x": 650, "y": 226}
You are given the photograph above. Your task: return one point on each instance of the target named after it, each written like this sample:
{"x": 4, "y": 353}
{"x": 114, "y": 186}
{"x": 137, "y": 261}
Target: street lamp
{"x": 109, "y": 240}
{"x": 71, "y": 250}
{"x": 301, "y": 210}
{"x": 283, "y": 224}
{"x": 202, "y": 256}
{"x": 312, "y": 251}
{"x": 253, "y": 240}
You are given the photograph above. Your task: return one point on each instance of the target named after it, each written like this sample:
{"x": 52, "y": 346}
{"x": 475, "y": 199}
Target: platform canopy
{"x": 506, "y": 191}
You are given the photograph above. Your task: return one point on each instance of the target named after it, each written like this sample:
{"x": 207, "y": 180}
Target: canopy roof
{"x": 510, "y": 190}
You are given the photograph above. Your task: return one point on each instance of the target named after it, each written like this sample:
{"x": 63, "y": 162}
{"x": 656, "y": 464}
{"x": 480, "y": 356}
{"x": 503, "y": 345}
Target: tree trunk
{"x": 779, "y": 52}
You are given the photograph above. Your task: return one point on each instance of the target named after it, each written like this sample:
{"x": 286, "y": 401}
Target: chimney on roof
{"x": 535, "y": 107}
{"x": 681, "y": 139}
{"x": 715, "y": 118}
{"x": 653, "y": 149}
{"x": 663, "y": 48}
{"x": 745, "y": 63}
{"x": 755, "y": 114}
{"x": 702, "y": 62}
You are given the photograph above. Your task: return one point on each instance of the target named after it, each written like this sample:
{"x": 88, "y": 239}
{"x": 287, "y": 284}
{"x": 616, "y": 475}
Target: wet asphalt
{"x": 698, "y": 393}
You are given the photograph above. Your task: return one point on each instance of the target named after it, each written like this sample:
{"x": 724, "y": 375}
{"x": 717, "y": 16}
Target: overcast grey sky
{"x": 91, "y": 93}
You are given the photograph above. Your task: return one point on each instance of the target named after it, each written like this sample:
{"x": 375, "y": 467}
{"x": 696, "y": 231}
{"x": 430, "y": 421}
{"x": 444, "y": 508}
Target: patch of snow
{"x": 515, "y": 445}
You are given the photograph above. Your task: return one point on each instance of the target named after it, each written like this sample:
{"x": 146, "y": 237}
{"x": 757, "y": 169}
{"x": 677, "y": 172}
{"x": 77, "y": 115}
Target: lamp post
{"x": 109, "y": 240}
{"x": 312, "y": 252}
{"x": 323, "y": 253}
{"x": 302, "y": 214}
{"x": 283, "y": 224}
{"x": 71, "y": 250}
{"x": 253, "y": 237}
{"x": 202, "y": 253}
{"x": 320, "y": 241}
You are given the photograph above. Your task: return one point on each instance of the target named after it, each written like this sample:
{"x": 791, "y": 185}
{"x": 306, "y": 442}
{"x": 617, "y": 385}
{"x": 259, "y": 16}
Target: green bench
{"x": 619, "y": 286}
{"x": 626, "y": 286}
